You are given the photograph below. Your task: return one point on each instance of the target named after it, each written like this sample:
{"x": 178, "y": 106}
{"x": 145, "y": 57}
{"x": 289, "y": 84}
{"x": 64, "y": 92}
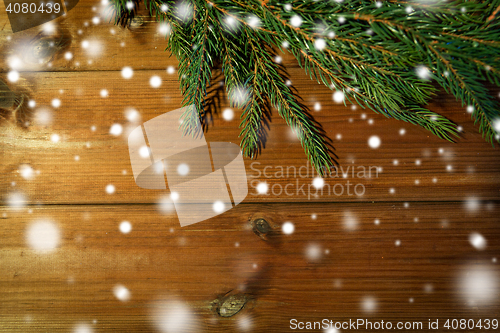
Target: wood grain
{"x": 322, "y": 270}
{"x": 401, "y": 251}
{"x": 103, "y": 157}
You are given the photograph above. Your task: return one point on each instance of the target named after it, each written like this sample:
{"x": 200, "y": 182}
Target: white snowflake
{"x": 183, "y": 169}
{"x": 116, "y": 129}
{"x": 313, "y": 252}
{"x": 253, "y": 21}
{"x": 350, "y": 221}
{"x": 288, "y": 228}
{"x": 132, "y": 115}
{"x": 338, "y": 97}
{"x": 369, "y": 304}
{"x": 296, "y": 21}
{"x": 318, "y": 182}
{"x": 262, "y": 188}
{"x": 55, "y": 138}
{"x": 110, "y": 189}
{"x": 43, "y": 236}
{"x": 477, "y": 241}
{"x": 374, "y": 142}
{"x": 319, "y": 44}
{"x": 218, "y": 207}
{"x": 121, "y": 293}
{"x": 56, "y": 102}
{"x": 164, "y": 29}
{"x": 125, "y": 227}
{"x": 423, "y": 72}
{"x": 26, "y": 171}
{"x": 127, "y": 72}
{"x": 155, "y": 81}
{"x": 228, "y": 114}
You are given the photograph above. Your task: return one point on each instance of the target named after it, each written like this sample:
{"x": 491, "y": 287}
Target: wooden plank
{"x": 115, "y": 46}
{"x": 324, "y": 269}
{"x": 427, "y": 168}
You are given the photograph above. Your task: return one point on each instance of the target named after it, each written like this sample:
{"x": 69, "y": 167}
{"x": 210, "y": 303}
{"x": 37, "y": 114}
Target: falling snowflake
{"x": 174, "y": 196}
{"x": 174, "y": 316}
{"x": 239, "y": 96}
{"x": 253, "y": 21}
{"x": 184, "y": 11}
{"x": 369, "y": 304}
{"x": 43, "y": 236}
{"x": 110, "y": 189}
{"x": 228, "y": 114}
{"x": 478, "y": 284}
{"x": 82, "y": 328}
{"x": 350, "y": 221}
{"x": 121, "y": 293}
{"x": 56, "y": 102}
{"x": 231, "y": 23}
{"x": 125, "y": 227}
{"x": 423, "y": 72}
{"x": 472, "y": 204}
{"x": 218, "y": 207}
{"x": 496, "y": 125}
{"x": 127, "y": 72}
{"x": 374, "y": 142}
{"x": 262, "y": 188}
{"x": 338, "y": 97}
{"x": 26, "y": 171}
{"x": 165, "y": 204}
{"x": 116, "y": 129}
{"x": 288, "y": 228}
{"x": 183, "y": 169}
{"x": 93, "y": 48}
{"x": 16, "y": 200}
{"x": 313, "y": 252}
{"x": 319, "y": 44}
{"x": 132, "y": 115}
{"x": 318, "y": 182}
{"x": 296, "y": 21}
{"x": 144, "y": 152}
{"x": 164, "y": 29}
{"x": 155, "y": 81}
{"x": 477, "y": 241}
{"x": 55, "y": 138}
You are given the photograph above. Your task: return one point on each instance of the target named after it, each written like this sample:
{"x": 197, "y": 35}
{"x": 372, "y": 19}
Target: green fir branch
{"x": 383, "y": 55}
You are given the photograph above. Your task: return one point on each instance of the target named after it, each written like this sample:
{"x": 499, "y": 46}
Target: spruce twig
{"x": 380, "y": 55}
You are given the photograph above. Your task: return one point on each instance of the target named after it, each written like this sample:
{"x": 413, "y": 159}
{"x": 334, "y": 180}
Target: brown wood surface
{"x": 336, "y": 259}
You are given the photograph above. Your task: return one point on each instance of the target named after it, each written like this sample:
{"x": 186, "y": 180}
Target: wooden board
{"x": 334, "y": 263}
{"x": 446, "y": 171}
{"x": 419, "y": 240}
